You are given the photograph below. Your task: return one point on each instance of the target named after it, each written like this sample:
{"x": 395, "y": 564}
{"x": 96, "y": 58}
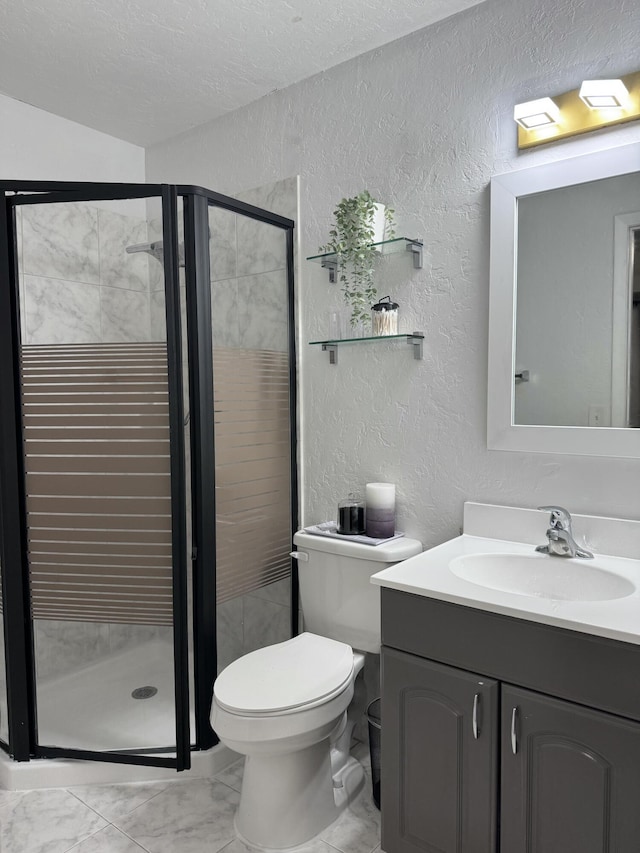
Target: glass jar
{"x": 384, "y": 317}
{"x": 351, "y": 516}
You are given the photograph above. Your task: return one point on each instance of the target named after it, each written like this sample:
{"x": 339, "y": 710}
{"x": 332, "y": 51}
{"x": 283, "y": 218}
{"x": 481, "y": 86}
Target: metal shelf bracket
{"x": 332, "y": 349}
{"x": 416, "y": 340}
{"x": 332, "y": 266}
{"x": 416, "y": 251}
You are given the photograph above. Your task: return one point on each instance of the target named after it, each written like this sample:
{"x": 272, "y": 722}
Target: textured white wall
{"x": 38, "y": 146}
{"x": 423, "y": 123}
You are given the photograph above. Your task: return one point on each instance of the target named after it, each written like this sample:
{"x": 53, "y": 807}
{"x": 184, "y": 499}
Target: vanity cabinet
{"x": 556, "y": 711}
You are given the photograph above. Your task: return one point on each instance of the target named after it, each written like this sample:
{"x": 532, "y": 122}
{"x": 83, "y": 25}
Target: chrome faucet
{"x": 560, "y": 538}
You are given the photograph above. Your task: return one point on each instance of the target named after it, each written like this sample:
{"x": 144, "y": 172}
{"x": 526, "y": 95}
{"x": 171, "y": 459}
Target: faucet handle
{"x": 560, "y": 517}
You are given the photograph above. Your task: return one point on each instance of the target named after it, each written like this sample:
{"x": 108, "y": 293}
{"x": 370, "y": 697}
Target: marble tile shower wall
{"x": 78, "y": 285}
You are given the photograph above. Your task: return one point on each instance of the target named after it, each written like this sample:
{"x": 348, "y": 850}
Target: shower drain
{"x": 144, "y": 692}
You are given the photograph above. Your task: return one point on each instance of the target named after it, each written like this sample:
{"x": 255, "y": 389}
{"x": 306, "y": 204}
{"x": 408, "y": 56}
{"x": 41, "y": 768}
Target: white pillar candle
{"x": 380, "y": 510}
{"x": 381, "y": 495}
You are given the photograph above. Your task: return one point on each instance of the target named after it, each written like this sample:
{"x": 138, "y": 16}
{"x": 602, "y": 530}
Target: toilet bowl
{"x": 285, "y": 708}
{"x": 290, "y": 708}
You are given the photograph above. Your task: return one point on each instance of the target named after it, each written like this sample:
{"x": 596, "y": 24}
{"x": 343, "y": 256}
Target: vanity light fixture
{"x": 597, "y": 104}
{"x": 604, "y": 94}
{"x": 539, "y": 113}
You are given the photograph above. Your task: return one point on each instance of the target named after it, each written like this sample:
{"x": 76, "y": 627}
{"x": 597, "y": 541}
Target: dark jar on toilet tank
{"x": 351, "y": 519}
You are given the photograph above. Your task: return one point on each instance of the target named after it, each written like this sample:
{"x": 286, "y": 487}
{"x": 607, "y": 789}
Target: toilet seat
{"x": 285, "y": 678}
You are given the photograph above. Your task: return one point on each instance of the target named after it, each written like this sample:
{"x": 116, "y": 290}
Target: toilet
{"x": 286, "y": 707}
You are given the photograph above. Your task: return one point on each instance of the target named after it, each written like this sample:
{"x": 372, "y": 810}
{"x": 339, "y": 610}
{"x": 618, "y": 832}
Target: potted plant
{"x": 359, "y": 222}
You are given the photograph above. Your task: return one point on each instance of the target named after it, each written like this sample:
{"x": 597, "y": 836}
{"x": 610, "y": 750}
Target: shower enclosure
{"x": 147, "y": 459}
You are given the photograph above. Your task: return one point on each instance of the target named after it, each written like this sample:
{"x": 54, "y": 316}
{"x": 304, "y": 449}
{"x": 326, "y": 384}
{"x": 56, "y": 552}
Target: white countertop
{"x": 428, "y": 574}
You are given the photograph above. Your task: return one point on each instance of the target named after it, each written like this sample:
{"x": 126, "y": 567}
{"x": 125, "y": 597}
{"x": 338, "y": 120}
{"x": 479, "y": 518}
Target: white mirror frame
{"x": 502, "y": 433}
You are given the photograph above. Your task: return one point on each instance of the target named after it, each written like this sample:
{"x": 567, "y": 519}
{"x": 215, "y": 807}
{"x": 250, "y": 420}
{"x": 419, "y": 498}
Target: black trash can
{"x": 375, "y": 731}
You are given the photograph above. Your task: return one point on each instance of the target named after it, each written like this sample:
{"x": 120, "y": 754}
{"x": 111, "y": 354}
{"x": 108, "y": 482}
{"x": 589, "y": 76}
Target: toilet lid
{"x": 285, "y": 676}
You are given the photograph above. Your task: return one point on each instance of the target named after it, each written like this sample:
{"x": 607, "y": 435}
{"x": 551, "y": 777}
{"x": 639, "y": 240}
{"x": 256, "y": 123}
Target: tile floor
{"x": 191, "y": 816}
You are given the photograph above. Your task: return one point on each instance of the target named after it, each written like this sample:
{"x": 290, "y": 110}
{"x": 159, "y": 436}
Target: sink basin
{"x": 541, "y": 576}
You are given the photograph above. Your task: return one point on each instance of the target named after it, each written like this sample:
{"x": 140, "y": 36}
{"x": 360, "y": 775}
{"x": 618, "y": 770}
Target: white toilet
{"x": 285, "y": 706}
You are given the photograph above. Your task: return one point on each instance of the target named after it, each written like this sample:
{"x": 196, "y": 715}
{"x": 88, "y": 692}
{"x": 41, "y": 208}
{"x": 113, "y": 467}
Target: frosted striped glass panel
{"x": 253, "y": 478}
{"x": 98, "y": 487}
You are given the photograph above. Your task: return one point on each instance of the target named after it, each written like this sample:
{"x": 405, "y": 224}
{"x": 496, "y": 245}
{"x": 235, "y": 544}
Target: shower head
{"x": 156, "y": 250}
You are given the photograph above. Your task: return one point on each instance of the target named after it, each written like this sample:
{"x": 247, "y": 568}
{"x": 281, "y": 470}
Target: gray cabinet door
{"x": 573, "y": 783}
{"x": 439, "y": 783}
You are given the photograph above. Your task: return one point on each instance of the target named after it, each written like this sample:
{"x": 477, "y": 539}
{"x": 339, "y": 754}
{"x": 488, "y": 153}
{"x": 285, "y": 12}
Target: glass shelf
{"x": 415, "y": 339}
{"x": 387, "y": 247}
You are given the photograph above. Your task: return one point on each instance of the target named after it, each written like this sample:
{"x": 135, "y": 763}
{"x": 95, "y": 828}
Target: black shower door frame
{"x": 18, "y": 624}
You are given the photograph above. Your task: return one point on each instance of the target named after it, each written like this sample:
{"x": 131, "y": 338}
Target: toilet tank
{"x": 338, "y": 599}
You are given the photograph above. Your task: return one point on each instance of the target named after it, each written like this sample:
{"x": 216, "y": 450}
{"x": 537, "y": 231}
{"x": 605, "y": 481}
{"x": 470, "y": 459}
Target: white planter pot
{"x": 379, "y": 223}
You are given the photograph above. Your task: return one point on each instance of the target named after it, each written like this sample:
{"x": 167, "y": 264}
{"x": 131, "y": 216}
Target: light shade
{"x": 604, "y": 94}
{"x": 539, "y": 113}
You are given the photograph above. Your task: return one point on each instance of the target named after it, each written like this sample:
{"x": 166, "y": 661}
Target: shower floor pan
{"x": 93, "y": 708}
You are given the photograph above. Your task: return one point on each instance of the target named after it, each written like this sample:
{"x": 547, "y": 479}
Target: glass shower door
{"x": 253, "y": 430}
{"x": 103, "y": 435}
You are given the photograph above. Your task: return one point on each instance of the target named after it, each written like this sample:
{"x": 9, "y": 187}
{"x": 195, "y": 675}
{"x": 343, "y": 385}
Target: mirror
{"x": 575, "y": 308}
{"x": 564, "y": 337}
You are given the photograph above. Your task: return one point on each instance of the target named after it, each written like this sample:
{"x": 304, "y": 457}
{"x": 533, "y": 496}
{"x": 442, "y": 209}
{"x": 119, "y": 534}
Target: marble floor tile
{"x": 189, "y": 817}
{"x": 316, "y": 845}
{"x": 232, "y": 776}
{"x": 358, "y": 828}
{"x": 113, "y": 801}
{"x": 46, "y": 821}
{"x": 107, "y": 840}
{"x": 182, "y": 816}
{"x": 8, "y": 797}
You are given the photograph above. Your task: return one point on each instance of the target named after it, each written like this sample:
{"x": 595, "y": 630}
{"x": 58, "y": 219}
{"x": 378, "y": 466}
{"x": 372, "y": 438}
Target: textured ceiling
{"x": 144, "y": 71}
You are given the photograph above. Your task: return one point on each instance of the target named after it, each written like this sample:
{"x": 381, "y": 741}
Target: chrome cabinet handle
{"x": 475, "y": 722}
{"x": 514, "y": 732}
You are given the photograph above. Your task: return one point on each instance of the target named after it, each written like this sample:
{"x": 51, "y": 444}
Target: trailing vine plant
{"x": 350, "y": 239}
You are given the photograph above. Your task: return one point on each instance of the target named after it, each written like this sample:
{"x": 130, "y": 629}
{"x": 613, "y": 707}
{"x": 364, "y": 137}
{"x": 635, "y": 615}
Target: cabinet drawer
{"x": 593, "y": 671}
